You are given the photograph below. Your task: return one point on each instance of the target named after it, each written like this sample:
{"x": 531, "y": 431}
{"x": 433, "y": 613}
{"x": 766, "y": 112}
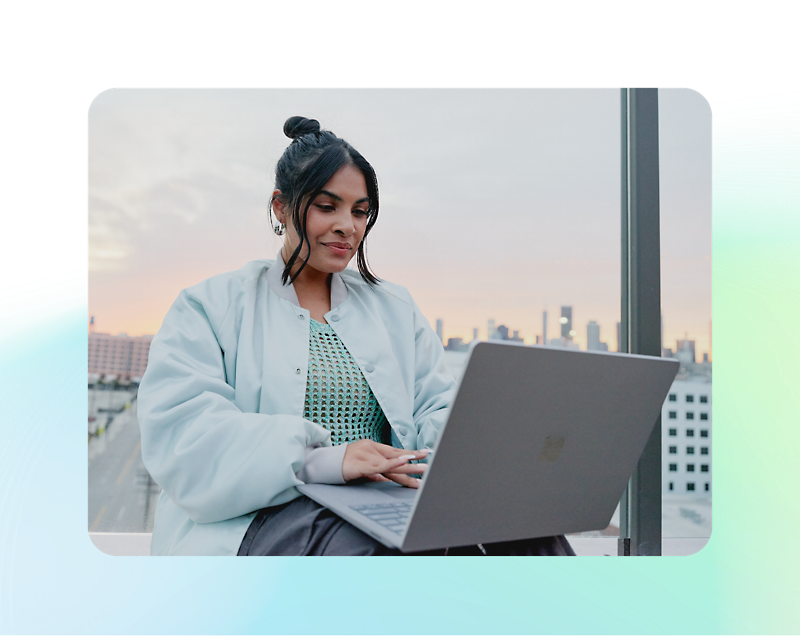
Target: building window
{"x": 671, "y": 486}
{"x": 704, "y": 450}
{"x": 703, "y": 468}
{"x": 689, "y": 468}
{"x": 703, "y": 416}
{"x": 673, "y": 432}
{"x": 689, "y": 432}
{"x": 707, "y": 488}
{"x": 673, "y": 397}
{"x": 703, "y": 432}
{"x": 689, "y": 415}
{"x": 690, "y": 450}
{"x": 704, "y": 399}
{"x": 690, "y": 486}
{"x": 673, "y": 468}
{"x": 690, "y": 398}
{"x": 673, "y": 415}
{"x": 673, "y": 450}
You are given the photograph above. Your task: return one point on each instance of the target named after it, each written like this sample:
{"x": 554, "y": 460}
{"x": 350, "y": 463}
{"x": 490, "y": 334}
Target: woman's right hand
{"x": 380, "y": 462}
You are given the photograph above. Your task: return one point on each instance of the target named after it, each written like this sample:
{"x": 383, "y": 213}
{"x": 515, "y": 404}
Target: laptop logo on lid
{"x": 552, "y": 449}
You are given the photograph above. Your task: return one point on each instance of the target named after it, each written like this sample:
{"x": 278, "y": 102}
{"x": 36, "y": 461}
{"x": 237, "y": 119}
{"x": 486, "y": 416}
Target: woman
{"x": 293, "y": 371}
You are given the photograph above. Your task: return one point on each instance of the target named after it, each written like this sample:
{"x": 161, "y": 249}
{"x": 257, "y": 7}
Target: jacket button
{"x": 297, "y": 371}
{"x": 402, "y": 430}
{"x": 369, "y": 368}
{"x": 335, "y": 318}
{"x": 301, "y": 316}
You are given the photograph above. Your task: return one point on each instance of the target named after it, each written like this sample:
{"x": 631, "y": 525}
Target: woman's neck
{"x": 313, "y": 289}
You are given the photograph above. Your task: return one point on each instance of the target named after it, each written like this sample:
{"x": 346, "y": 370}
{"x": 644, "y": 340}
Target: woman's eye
{"x": 360, "y": 212}
{"x": 327, "y": 208}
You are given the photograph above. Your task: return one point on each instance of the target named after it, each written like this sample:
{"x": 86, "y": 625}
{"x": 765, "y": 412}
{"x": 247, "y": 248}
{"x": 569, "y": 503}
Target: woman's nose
{"x": 343, "y": 224}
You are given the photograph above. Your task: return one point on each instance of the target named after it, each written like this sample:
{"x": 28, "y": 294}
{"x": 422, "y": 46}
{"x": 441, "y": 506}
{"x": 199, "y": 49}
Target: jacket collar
{"x": 338, "y": 288}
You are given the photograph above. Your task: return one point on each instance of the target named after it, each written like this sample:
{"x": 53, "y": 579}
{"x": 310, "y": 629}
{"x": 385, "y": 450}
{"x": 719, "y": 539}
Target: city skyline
{"x": 580, "y": 338}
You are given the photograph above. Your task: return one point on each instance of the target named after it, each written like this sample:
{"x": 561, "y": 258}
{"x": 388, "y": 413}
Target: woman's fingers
{"x": 390, "y": 452}
{"x": 365, "y": 458}
{"x": 403, "y": 480}
{"x": 415, "y": 469}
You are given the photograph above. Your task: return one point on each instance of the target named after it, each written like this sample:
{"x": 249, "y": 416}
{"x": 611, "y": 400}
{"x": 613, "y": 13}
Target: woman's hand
{"x": 379, "y": 462}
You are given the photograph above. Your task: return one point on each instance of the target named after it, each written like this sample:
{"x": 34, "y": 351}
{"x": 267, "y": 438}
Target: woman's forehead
{"x": 347, "y": 182}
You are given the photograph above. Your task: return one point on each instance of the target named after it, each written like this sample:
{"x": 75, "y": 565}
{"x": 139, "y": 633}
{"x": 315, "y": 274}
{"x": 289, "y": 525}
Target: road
{"x": 122, "y": 495}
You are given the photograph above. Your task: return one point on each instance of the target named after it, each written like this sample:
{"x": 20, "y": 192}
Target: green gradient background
{"x": 53, "y": 580}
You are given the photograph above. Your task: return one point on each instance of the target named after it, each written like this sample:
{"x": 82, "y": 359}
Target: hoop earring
{"x": 279, "y": 229}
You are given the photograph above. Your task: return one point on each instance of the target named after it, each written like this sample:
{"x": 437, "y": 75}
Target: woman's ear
{"x": 278, "y": 206}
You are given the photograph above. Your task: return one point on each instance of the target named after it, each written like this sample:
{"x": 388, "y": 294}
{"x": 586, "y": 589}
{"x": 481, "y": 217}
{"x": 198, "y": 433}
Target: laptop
{"x": 539, "y": 441}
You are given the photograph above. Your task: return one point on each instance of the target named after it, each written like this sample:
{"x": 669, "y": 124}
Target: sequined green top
{"x": 337, "y": 394}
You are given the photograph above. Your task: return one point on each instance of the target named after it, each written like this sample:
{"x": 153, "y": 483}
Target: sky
{"x": 495, "y": 204}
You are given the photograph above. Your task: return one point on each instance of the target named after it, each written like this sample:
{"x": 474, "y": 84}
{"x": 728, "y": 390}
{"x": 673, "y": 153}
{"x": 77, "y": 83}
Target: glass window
{"x": 703, "y": 432}
{"x": 673, "y": 397}
{"x": 704, "y": 399}
{"x": 689, "y": 468}
{"x": 673, "y": 468}
{"x": 689, "y": 432}
{"x": 673, "y": 415}
{"x": 704, "y": 450}
{"x": 690, "y": 398}
{"x": 690, "y": 486}
{"x": 673, "y": 450}
{"x": 703, "y": 468}
{"x": 671, "y": 486}
{"x": 689, "y": 415}
{"x": 690, "y": 450}
{"x": 673, "y": 432}
{"x": 707, "y": 487}
{"x": 703, "y": 416}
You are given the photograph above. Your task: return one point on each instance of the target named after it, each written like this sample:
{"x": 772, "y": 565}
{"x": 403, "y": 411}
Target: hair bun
{"x": 298, "y": 126}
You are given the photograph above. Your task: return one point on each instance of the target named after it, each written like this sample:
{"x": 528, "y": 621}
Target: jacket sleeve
{"x": 214, "y": 461}
{"x": 434, "y": 386}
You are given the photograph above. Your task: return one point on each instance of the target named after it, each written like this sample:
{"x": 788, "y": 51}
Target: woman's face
{"x": 336, "y": 222}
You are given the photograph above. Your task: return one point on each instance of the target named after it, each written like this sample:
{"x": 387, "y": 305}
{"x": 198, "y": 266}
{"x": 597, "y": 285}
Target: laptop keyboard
{"x": 392, "y": 516}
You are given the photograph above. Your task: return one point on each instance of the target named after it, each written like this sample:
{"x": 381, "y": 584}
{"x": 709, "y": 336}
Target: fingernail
{"x": 407, "y": 457}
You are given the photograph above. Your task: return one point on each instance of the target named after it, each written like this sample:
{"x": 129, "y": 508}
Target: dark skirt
{"x": 304, "y": 528}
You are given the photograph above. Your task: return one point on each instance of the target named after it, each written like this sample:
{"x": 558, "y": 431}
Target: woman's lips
{"x": 338, "y": 248}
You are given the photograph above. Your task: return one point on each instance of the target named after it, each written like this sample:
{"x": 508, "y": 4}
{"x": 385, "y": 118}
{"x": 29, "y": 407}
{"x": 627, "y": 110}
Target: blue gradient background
{"x": 53, "y": 580}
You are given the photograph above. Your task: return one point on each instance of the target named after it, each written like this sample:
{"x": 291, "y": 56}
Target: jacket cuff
{"x": 323, "y": 465}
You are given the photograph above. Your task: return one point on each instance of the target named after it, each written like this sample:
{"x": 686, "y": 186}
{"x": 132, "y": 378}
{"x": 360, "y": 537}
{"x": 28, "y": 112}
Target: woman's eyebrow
{"x": 331, "y": 195}
{"x": 338, "y": 198}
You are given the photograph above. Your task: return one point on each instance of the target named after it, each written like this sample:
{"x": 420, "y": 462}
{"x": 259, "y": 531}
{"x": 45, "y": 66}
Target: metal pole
{"x": 640, "y": 525}
{"x": 624, "y": 543}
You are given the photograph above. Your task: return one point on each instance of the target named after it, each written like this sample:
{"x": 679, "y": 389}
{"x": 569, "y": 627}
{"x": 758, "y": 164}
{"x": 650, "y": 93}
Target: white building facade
{"x": 686, "y": 439}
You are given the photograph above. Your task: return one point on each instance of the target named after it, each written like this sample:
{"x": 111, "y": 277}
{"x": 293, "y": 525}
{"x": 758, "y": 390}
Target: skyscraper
{"x": 686, "y": 345}
{"x": 592, "y": 336}
{"x": 475, "y": 333}
{"x": 490, "y": 332}
{"x": 544, "y": 328}
{"x": 439, "y": 330}
{"x": 566, "y": 322}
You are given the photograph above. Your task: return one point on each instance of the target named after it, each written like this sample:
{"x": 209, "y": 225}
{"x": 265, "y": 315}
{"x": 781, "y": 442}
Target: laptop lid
{"x": 539, "y": 441}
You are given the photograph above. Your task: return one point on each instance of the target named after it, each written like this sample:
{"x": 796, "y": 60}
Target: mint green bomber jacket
{"x": 220, "y": 404}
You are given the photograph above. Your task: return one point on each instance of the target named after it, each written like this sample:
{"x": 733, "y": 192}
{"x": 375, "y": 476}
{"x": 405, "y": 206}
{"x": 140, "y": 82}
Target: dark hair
{"x": 309, "y": 162}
